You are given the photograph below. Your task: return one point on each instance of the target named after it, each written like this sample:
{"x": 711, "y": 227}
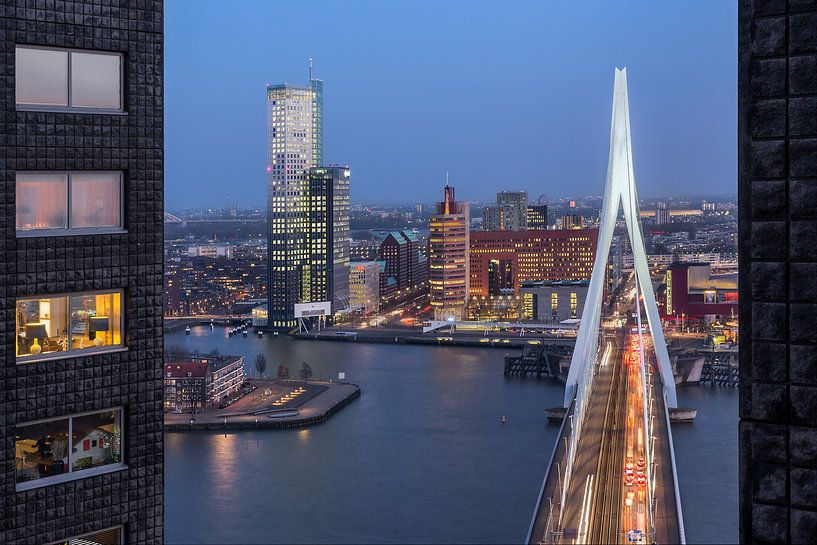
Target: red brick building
{"x": 501, "y": 260}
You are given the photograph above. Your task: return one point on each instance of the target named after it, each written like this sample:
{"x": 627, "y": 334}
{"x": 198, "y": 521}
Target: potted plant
{"x": 59, "y": 447}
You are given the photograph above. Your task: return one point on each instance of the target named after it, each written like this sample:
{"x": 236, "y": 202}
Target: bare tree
{"x": 283, "y": 372}
{"x": 306, "y": 371}
{"x": 260, "y": 364}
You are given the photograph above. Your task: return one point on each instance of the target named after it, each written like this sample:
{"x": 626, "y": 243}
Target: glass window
{"x": 95, "y": 199}
{"x": 68, "y": 323}
{"x": 43, "y": 449}
{"x": 95, "y": 80}
{"x": 95, "y": 321}
{"x": 42, "y": 201}
{"x": 42, "y": 326}
{"x": 111, "y": 536}
{"x": 41, "y": 76}
{"x": 68, "y": 78}
{"x": 96, "y": 440}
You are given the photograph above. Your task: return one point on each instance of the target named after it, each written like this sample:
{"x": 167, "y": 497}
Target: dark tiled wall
{"x": 131, "y": 261}
{"x": 777, "y": 142}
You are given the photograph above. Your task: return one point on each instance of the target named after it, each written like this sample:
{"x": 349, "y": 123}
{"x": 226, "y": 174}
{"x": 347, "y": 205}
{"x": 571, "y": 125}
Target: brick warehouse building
{"x": 502, "y": 260}
{"x": 81, "y": 170}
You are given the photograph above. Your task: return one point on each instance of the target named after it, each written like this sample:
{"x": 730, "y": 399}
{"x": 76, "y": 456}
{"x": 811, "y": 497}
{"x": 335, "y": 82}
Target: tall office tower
{"x": 328, "y": 236}
{"x": 537, "y": 217}
{"x": 82, "y": 116}
{"x": 448, "y": 257}
{"x": 510, "y": 213}
{"x": 294, "y": 145}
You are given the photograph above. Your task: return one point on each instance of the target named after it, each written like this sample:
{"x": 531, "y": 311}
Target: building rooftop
{"x": 185, "y": 369}
{"x": 556, "y": 283}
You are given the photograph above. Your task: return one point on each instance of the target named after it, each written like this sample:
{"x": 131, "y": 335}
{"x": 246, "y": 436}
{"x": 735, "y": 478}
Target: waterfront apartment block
{"x": 448, "y": 245}
{"x": 501, "y": 260}
{"x": 81, "y": 162}
{"x": 196, "y": 382}
{"x": 328, "y": 239}
{"x": 294, "y": 145}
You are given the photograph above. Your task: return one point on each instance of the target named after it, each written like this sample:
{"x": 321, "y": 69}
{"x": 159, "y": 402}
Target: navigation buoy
{"x": 504, "y": 419}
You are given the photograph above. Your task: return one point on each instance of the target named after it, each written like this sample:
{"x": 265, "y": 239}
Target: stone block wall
{"x": 132, "y": 261}
{"x": 777, "y": 148}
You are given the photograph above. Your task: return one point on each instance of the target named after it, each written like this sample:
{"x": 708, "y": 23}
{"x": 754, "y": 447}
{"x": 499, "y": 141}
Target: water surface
{"x": 420, "y": 457}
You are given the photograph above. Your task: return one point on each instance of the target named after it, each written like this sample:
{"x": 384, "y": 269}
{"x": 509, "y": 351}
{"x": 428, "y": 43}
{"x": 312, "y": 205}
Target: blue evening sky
{"x": 502, "y": 94}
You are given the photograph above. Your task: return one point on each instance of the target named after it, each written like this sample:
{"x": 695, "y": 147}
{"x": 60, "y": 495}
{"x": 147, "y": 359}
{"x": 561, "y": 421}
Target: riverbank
{"x": 274, "y": 404}
{"x": 396, "y": 336}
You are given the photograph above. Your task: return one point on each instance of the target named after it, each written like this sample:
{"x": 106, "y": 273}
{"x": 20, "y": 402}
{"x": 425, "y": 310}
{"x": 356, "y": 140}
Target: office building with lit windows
{"x": 501, "y": 260}
{"x": 448, "y": 245}
{"x": 537, "y": 217}
{"x": 82, "y": 163}
{"x": 552, "y": 301}
{"x": 328, "y": 236}
{"x": 364, "y": 285}
{"x": 294, "y": 145}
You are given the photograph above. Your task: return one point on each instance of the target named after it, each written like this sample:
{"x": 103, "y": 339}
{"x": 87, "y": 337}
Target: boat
{"x": 260, "y": 333}
{"x": 187, "y": 330}
{"x": 275, "y": 333}
{"x": 244, "y": 332}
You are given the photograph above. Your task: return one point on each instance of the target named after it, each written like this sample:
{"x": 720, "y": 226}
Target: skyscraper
{"x": 328, "y": 236}
{"x": 448, "y": 257}
{"x": 294, "y": 145}
{"x": 510, "y": 213}
{"x": 82, "y": 457}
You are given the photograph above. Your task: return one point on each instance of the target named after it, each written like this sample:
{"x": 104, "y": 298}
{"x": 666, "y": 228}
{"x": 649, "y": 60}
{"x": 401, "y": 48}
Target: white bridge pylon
{"x": 619, "y": 188}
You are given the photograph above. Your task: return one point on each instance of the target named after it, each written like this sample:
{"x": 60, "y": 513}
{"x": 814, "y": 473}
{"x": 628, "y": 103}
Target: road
{"x": 608, "y": 500}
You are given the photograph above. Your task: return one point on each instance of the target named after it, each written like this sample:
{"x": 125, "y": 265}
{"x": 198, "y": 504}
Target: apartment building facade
{"x": 81, "y": 282}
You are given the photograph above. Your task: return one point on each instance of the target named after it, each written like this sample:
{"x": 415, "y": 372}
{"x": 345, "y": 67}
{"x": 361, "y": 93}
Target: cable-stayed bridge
{"x": 612, "y": 475}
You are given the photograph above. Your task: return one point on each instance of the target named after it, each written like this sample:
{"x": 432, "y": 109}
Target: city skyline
{"x": 430, "y": 101}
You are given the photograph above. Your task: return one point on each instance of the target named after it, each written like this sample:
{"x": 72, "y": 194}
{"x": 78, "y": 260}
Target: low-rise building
{"x": 552, "y": 301}
{"x": 694, "y": 291}
{"x": 193, "y": 381}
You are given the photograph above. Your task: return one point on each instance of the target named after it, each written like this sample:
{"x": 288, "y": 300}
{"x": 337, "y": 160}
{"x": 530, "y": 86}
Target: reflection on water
{"x": 420, "y": 457}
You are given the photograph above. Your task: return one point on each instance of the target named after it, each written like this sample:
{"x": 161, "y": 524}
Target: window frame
{"x": 67, "y": 354}
{"x": 24, "y": 106}
{"x": 71, "y": 231}
{"x": 120, "y": 527}
{"x": 70, "y": 474}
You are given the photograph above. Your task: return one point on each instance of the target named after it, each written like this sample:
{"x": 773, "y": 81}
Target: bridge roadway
{"x": 595, "y": 511}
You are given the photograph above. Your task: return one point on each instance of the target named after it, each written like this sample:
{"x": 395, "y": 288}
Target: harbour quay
{"x": 272, "y": 404}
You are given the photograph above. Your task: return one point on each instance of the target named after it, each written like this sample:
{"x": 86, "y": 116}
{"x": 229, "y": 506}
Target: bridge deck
{"x": 595, "y": 501}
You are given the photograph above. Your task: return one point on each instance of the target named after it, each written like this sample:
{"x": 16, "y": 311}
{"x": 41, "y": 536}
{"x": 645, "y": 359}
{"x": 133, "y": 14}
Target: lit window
{"x": 68, "y": 325}
{"x": 64, "y": 78}
{"x": 111, "y": 536}
{"x": 68, "y": 448}
{"x": 51, "y": 203}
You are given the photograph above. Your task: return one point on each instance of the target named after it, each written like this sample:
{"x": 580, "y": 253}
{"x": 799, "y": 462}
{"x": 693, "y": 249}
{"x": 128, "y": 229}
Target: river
{"x": 422, "y": 456}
